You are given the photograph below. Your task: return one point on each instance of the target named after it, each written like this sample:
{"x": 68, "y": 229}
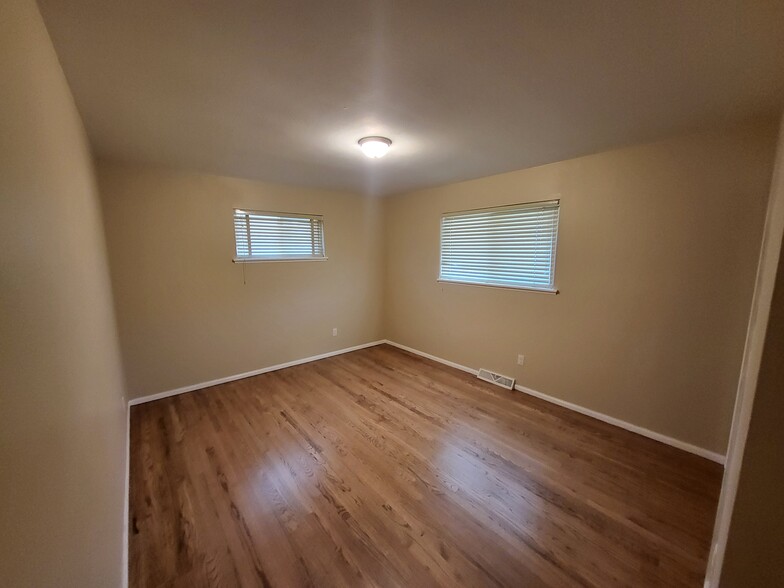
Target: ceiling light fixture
{"x": 374, "y": 147}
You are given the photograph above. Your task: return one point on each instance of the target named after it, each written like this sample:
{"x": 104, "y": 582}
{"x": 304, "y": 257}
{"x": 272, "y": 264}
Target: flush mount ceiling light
{"x": 374, "y": 147}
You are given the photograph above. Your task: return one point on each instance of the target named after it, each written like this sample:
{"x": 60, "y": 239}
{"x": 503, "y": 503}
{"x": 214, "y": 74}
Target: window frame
{"x": 549, "y": 289}
{"x": 285, "y": 215}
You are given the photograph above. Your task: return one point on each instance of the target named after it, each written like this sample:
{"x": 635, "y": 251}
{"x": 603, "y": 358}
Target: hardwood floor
{"x": 381, "y": 468}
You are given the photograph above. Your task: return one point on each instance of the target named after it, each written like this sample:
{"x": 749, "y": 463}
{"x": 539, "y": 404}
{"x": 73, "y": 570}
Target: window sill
{"x": 505, "y": 287}
{"x": 284, "y": 259}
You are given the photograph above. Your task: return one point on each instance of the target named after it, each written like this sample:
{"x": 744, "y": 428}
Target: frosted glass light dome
{"x": 374, "y": 147}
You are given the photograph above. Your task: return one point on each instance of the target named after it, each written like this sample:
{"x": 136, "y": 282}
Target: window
{"x": 511, "y": 246}
{"x": 274, "y": 236}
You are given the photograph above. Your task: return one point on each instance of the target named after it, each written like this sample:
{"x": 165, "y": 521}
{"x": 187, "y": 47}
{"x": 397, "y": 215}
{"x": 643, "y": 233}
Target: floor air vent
{"x": 497, "y": 379}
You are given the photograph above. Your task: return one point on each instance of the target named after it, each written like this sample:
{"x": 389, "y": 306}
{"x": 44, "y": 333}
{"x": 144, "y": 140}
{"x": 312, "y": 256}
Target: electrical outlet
{"x": 520, "y": 359}
{"x": 335, "y": 332}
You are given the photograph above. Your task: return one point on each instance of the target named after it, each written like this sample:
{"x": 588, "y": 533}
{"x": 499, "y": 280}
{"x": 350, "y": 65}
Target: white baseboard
{"x": 433, "y": 357}
{"x": 683, "y": 445}
{"x": 272, "y": 368}
{"x": 702, "y": 452}
{"x": 591, "y": 413}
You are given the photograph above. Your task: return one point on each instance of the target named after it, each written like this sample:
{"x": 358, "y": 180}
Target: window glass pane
{"x": 260, "y": 236}
{"x": 507, "y": 246}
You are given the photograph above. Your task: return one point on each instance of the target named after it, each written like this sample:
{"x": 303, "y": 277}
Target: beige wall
{"x": 657, "y": 252}
{"x": 62, "y": 420}
{"x": 187, "y": 314}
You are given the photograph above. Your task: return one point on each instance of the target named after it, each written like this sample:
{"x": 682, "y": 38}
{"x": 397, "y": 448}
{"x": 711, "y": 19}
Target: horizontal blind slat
{"x": 499, "y": 223}
{"x": 262, "y": 235}
{"x": 489, "y": 276}
{"x": 506, "y": 246}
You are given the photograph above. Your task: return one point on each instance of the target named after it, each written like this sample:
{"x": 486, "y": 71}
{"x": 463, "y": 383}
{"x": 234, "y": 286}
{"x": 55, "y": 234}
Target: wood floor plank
{"x": 381, "y": 468}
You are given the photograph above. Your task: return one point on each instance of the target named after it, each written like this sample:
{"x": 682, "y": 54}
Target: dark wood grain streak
{"x": 381, "y": 468}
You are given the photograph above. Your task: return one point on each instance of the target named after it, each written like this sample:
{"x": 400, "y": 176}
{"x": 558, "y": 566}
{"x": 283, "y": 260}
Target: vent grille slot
{"x": 497, "y": 379}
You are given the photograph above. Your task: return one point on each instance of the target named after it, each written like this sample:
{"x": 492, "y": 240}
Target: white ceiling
{"x": 282, "y": 90}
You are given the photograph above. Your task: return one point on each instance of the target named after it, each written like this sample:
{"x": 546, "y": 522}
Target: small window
{"x": 274, "y": 236}
{"x": 512, "y": 246}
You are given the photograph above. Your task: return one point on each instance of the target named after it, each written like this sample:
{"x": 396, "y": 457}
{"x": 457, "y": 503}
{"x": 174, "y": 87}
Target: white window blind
{"x": 273, "y": 236}
{"x": 510, "y": 246}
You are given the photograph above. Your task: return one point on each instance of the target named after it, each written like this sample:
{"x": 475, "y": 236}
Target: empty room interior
{"x": 391, "y": 293}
